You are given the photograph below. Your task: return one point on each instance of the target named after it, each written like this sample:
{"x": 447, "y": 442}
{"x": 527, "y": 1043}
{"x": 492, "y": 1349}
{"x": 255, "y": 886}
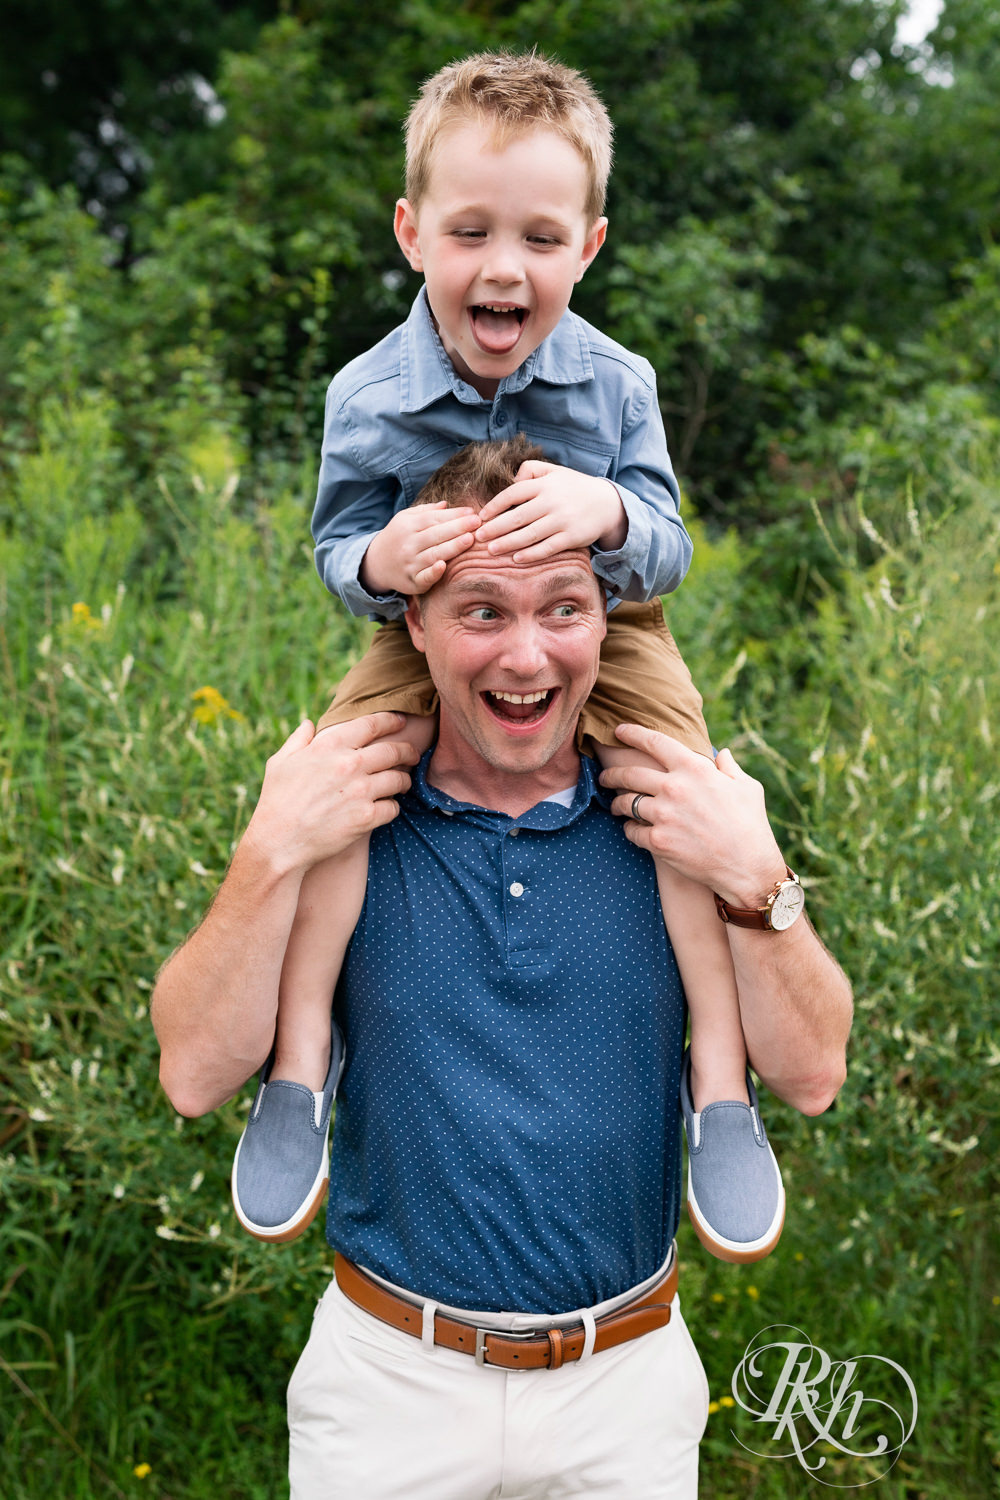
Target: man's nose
{"x": 523, "y": 651}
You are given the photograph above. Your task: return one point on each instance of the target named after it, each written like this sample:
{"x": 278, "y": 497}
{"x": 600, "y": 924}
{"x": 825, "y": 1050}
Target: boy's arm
{"x": 657, "y": 550}
{"x": 630, "y": 519}
{"x": 351, "y": 509}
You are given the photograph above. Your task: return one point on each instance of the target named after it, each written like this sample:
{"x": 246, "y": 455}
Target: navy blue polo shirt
{"x": 507, "y": 1132}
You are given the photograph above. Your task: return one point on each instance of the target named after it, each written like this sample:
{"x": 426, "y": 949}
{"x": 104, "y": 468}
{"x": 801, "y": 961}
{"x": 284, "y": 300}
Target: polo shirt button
{"x": 517, "y": 889}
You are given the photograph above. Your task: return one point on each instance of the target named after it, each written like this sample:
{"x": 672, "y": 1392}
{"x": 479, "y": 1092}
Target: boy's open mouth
{"x": 519, "y": 708}
{"x": 496, "y": 326}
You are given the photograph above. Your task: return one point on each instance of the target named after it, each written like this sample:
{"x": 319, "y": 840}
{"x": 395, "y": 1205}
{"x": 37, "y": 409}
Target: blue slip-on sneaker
{"x": 736, "y": 1199}
{"x": 282, "y": 1166}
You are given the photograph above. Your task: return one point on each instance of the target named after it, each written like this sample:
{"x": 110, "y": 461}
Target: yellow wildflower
{"x": 718, "y": 1296}
{"x": 142, "y": 1471}
{"x": 212, "y": 706}
{"x": 713, "y": 1407}
{"x": 726, "y": 1401}
{"x": 83, "y": 619}
{"x": 753, "y": 1293}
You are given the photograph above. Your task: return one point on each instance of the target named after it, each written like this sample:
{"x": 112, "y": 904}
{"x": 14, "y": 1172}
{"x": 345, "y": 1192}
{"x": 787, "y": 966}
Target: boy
{"x": 507, "y": 164}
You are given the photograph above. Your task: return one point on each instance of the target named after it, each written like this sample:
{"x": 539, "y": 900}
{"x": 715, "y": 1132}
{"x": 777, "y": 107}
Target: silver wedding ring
{"x": 635, "y": 808}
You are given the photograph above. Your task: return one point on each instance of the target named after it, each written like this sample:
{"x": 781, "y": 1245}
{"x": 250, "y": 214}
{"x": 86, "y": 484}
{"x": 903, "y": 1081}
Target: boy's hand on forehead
{"x": 411, "y": 553}
{"x": 549, "y": 509}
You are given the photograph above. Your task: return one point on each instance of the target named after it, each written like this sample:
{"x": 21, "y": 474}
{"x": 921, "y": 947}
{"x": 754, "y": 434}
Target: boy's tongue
{"x": 496, "y": 332}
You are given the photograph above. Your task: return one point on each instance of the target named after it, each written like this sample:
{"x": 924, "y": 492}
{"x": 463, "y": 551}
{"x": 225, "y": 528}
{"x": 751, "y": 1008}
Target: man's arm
{"x": 708, "y": 820}
{"x": 216, "y": 998}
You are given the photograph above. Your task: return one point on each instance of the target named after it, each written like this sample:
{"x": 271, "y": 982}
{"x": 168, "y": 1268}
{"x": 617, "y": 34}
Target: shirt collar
{"x": 544, "y": 815}
{"x": 427, "y": 374}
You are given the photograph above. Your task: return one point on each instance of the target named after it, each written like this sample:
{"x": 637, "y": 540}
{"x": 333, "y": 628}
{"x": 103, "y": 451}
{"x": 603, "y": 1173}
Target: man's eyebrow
{"x": 557, "y": 584}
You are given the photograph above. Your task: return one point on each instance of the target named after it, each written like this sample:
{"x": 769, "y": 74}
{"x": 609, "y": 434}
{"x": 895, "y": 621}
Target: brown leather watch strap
{"x": 756, "y": 917}
{"x": 741, "y": 916}
{"x": 511, "y": 1351}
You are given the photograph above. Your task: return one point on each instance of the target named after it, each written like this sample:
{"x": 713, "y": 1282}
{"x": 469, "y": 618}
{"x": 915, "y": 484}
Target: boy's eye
{"x": 468, "y": 234}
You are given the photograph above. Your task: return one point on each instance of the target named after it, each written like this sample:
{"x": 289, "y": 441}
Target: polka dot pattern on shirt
{"x": 507, "y": 1126}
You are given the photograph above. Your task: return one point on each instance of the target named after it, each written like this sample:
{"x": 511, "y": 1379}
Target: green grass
{"x": 136, "y": 1326}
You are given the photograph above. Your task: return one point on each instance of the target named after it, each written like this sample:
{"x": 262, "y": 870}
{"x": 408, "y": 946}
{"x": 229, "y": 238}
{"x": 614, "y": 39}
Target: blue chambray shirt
{"x": 394, "y": 414}
{"x": 507, "y": 1129}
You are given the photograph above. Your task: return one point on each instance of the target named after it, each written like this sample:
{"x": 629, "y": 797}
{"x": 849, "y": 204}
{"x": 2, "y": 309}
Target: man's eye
{"x": 565, "y": 611}
{"x": 484, "y": 612}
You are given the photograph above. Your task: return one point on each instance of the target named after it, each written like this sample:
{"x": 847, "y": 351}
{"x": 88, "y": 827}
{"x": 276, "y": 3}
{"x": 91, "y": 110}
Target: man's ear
{"x": 591, "y": 245}
{"x": 415, "y": 622}
{"x": 405, "y": 226}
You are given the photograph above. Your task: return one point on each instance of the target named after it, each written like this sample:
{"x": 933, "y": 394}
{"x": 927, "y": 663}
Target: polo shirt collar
{"x": 544, "y": 815}
{"x": 427, "y": 374}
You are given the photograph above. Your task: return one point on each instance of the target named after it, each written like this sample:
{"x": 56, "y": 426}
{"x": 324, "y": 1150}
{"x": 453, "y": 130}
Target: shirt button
{"x": 517, "y": 889}
{"x": 501, "y": 417}
{"x": 514, "y": 832}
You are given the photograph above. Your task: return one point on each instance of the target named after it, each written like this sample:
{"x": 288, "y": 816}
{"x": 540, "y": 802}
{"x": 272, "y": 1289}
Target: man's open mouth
{"x": 519, "y": 708}
{"x": 497, "y": 325}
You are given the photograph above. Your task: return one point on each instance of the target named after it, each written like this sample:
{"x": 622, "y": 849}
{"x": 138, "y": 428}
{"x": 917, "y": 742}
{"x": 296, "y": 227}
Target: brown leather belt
{"x": 512, "y": 1351}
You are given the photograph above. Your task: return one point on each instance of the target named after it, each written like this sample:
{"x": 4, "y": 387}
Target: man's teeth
{"x": 520, "y": 697}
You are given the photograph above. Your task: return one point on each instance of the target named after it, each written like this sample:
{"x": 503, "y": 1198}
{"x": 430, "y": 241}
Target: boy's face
{"x": 502, "y": 238}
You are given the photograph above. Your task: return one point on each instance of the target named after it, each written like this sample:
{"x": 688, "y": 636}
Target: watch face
{"x": 787, "y": 905}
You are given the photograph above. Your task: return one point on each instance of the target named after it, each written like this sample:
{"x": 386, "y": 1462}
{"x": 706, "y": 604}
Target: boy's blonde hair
{"x": 511, "y": 93}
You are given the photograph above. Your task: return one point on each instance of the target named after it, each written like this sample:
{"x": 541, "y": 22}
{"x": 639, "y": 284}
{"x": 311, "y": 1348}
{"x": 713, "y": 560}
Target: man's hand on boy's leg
{"x": 550, "y": 509}
{"x": 410, "y": 554}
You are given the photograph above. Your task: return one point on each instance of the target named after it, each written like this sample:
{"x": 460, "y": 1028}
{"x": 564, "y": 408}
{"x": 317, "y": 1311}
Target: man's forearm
{"x": 795, "y": 1006}
{"x": 216, "y": 998}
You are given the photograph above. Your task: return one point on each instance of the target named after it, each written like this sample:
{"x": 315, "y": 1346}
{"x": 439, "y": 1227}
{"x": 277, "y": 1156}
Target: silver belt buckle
{"x": 500, "y": 1333}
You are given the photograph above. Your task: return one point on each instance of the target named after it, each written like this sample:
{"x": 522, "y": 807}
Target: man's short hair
{"x": 511, "y": 93}
{"x": 477, "y": 472}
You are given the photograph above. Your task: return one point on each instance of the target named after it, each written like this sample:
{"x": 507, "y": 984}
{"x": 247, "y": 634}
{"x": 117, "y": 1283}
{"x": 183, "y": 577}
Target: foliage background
{"x": 194, "y": 234}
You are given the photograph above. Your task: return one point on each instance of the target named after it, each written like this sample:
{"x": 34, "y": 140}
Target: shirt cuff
{"x": 340, "y": 569}
{"x": 622, "y": 570}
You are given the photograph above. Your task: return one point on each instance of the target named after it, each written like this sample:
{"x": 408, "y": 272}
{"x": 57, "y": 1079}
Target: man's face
{"x": 501, "y": 237}
{"x": 513, "y": 650}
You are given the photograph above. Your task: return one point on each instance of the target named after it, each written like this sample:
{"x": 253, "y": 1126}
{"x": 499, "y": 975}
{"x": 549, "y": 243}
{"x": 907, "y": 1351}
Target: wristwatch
{"x": 785, "y": 903}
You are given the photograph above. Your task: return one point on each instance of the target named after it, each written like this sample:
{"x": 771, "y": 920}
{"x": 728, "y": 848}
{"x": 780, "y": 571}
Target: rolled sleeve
{"x": 352, "y": 507}
{"x": 657, "y": 551}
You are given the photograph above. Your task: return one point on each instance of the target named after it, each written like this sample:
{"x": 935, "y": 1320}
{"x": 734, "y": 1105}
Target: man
{"x": 506, "y": 1156}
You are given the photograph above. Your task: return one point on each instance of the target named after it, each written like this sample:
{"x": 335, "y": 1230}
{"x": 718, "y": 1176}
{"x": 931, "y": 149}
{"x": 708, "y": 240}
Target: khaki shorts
{"x": 642, "y": 680}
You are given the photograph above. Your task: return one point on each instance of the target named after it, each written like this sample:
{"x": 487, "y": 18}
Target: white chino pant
{"x": 375, "y": 1414}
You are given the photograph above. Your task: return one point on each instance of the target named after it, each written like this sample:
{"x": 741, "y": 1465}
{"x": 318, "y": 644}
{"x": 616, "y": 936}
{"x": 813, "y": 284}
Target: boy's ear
{"x": 415, "y": 621}
{"x": 405, "y": 226}
{"x": 591, "y": 245}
